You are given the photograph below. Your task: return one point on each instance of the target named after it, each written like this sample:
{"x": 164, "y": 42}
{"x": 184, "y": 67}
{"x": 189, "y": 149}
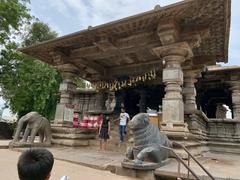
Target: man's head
{"x": 122, "y": 110}
{"x": 35, "y": 164}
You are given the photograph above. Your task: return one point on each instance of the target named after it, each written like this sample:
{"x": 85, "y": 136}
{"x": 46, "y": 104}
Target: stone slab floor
{"x": 8, "y": 169}
{"x": 222, "y": 166}
{"x": 75, "y": 162}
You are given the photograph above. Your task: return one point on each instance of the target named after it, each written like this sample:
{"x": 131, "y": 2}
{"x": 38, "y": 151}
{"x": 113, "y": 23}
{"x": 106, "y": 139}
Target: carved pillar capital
{"x": 57, "y": 58}
{"x": 168, "y": 33}
{"x": 181, "y": 50}
{"x": 67, "y": 87}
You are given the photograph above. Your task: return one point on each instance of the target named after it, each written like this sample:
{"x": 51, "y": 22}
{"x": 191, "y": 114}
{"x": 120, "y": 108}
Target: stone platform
{"x": 73, "y": 137}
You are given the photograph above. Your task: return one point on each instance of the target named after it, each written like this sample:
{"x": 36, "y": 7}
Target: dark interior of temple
{"x": 208, "y": 99}
{"x": 139, "y": 98}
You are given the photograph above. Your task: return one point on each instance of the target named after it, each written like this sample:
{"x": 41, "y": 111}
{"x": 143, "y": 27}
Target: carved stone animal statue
{"x": 147, "y": 141}
{"x": 36, "y": 123}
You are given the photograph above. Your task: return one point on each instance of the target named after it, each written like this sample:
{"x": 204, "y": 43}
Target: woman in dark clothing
{"x": 104, "y": 132}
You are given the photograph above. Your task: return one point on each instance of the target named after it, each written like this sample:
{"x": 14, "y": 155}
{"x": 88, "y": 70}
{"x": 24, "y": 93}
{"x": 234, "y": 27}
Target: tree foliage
{"x": 80, "y": 83}
{"x": 38, "y": 32}
{"x": 29, "y": 84}
{"x": 13, "y": 15}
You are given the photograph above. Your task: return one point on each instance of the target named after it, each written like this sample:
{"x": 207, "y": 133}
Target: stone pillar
{"x": 173, "y": 55}
{"x": 66, "y": 89}
{"x": 99, "y": 105}
{"x": 235, "y": 87}
{"x": 142, "y": 101}
{"x": 221, "y": 112}
{"x": 189, "y": 91}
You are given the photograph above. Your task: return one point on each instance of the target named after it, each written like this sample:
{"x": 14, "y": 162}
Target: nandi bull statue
{"x": 36, "y": 123}
{"x": 148, "y": 142}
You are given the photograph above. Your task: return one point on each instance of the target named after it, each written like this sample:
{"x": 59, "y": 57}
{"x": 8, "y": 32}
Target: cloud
{"x": 95, "y": 12}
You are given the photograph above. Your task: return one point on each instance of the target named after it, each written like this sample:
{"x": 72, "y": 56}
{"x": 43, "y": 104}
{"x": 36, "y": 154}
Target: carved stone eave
{"x": 130, "y": 40}
{"x": 105, "y": 45}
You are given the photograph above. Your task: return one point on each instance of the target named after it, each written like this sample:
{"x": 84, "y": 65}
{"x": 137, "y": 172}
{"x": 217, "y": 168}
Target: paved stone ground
{"x": 219, "y": 165}
{"x": 8, "y": 169}
{"x": 88, "y": 157}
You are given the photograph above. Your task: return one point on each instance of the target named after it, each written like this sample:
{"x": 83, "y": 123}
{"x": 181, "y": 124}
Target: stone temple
{"x": 163, "y": 57}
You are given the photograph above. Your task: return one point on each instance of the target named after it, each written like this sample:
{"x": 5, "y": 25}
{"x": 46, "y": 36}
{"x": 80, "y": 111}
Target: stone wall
{"x": 223, "y": 136}
{"x": 226, "y": 130}
{"x": 88, "y": 100}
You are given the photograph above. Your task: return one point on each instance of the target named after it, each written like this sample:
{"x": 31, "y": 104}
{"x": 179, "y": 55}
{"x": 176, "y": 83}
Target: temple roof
{"x": 125, "y": 46}
{"x": 218, "y": 77}
{"x": 222, "y": 69}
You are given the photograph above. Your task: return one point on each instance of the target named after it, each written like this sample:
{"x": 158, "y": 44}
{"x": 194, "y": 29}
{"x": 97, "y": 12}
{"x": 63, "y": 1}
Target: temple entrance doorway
{"x": 140, "y": 98}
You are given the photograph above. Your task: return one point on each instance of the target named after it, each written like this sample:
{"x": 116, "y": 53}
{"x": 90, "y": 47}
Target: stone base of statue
{"x": 145, "y": 170}
{"x": 126, "y": 163}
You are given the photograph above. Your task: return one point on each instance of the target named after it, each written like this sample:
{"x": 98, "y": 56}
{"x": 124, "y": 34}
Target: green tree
{"x": 38, "y": 32}
{"x": 13, "y": 15}
{"x": 80, "y": 82}
{"x": 27, "y": 83}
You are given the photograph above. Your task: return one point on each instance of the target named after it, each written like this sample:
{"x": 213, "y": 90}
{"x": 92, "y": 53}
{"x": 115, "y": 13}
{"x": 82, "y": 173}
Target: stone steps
{"x": 71, "y": 142}
{"x": 74, "y": 137}
{"x": 114, "y": 142}
{"x": 71, "y": 130}
{"x": 69, "y": 136}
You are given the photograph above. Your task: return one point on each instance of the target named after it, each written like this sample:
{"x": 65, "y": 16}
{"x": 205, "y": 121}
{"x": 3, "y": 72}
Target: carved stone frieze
{"x": 205, "y": 26}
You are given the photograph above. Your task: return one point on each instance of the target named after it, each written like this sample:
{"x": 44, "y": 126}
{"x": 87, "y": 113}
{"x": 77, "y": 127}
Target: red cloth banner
{"x": 90, "y": 121}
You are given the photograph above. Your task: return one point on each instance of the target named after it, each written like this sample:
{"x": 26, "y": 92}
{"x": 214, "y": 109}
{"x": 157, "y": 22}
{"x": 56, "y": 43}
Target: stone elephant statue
{"x": 36, "y": 123}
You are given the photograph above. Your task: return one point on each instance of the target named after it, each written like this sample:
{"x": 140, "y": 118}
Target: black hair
{"x": 35, "y": 164}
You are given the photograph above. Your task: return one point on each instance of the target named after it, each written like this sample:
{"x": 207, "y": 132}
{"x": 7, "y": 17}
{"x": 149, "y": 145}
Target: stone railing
{"x": 198, "y": 123}
{"x": 224, "y": 130}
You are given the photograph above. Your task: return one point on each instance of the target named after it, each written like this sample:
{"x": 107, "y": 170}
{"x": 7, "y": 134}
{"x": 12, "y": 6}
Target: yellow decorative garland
{"x": 132, "y": 81}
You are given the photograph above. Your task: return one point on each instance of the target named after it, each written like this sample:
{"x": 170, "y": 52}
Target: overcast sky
{"x": 68, "y": 16}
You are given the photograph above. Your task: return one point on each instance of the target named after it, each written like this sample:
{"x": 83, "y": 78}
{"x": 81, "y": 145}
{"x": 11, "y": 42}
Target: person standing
{"x": 123, "y": 119}
{"x": 104, "y": 132}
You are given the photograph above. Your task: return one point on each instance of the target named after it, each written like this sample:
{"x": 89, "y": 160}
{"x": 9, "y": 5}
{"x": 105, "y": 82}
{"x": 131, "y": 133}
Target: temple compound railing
{"x": 187, "y": 165}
